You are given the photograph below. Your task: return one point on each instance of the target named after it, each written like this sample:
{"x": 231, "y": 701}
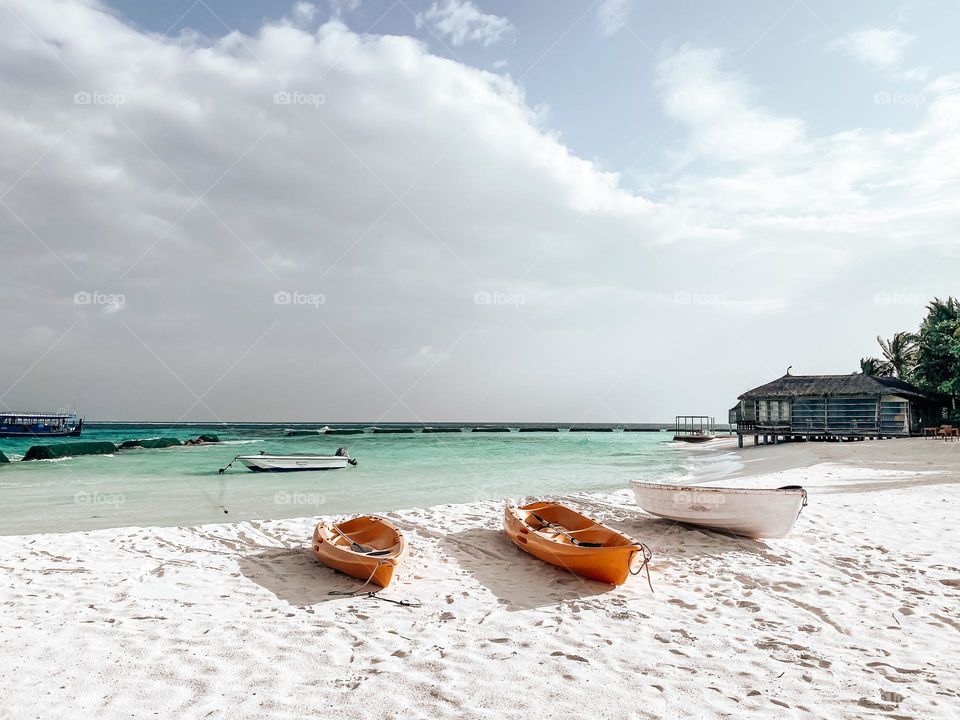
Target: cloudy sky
{"x": 415, "y": 210}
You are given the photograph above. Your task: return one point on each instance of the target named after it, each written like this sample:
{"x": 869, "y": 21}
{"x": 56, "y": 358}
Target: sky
{"x": 612, "y": 211}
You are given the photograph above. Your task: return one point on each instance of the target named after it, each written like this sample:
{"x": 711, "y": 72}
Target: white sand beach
{"x": 853, "y": 615}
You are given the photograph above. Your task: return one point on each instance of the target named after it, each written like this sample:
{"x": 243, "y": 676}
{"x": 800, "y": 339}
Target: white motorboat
{"x": 293, "y": 463}
{"x": 765, "y": 513}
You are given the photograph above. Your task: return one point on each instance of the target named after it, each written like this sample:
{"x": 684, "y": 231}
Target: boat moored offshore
{"x": 33, "y": 424}
{"x": 265, "y": 462}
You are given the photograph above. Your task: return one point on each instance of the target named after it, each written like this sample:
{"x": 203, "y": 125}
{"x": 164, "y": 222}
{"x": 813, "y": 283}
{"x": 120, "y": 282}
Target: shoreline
{"x": 846, "y": 616}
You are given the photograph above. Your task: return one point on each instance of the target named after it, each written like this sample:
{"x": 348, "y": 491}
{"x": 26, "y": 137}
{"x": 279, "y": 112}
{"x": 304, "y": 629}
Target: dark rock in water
{"x": 62, "y": 450}
{"x": 149, "y": 443}
{"x": 539, "y": 429}
{"x": 591, "y": 429}
{"x": 441, "y": 430}
{"x": 344, "y": 431}
{"x": 203, "y": 440}
{"x": 491, "y": 429}
{"x": 641, "y": 429}
{"x": 393, "y": 431}
{"x": 3, "y": 458}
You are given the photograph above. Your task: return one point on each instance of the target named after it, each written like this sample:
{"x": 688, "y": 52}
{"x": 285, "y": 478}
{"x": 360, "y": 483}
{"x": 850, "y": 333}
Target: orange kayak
{"x": 366, "y": 547}
{"x": 563, "y": 537}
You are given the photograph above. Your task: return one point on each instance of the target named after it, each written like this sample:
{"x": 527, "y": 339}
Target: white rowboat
{"x": 766, "y": 513}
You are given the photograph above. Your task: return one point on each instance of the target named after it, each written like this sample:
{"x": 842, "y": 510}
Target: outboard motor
{"x": 342, "y": 452}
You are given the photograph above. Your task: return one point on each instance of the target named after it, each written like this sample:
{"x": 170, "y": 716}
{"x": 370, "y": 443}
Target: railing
{"x": 835, "y": 427}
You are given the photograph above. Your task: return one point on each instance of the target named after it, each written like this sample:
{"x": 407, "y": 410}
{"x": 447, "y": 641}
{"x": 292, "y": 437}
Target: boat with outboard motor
{"x": 265, "y": 462}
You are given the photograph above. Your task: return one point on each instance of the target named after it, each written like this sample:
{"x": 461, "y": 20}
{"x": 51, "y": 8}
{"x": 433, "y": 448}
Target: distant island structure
{"x": 833, "y": 407}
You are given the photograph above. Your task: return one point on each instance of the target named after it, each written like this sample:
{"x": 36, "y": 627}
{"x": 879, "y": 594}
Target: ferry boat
{"x": 31, "y": 424}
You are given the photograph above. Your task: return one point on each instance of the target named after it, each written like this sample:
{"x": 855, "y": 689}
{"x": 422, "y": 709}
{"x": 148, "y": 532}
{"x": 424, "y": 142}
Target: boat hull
{"x": 331, "y": 546}
{"x": 39, "y": 433}
{"x": 292, "y": 463}
{"x": 38, "y": 425}
{"x": 765, "y": 513}
{"x": 609, "y": 564}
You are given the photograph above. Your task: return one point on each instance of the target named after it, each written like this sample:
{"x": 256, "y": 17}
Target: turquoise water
{"x": 181, "y": 486}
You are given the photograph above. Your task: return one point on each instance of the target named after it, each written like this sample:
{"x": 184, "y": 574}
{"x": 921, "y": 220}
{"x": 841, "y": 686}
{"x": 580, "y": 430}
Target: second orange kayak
{"x": 367, "y": 547}
{"x": 563, "y": 537}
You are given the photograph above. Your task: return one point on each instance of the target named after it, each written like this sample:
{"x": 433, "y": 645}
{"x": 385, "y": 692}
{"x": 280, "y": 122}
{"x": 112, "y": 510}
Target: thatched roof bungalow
{"x": 833, "y": 406}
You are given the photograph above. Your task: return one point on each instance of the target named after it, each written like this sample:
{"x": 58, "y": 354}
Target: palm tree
{"x": 900, "y": 352}
{"x": 875, "y": 366}
{"x": 939, "y": 310}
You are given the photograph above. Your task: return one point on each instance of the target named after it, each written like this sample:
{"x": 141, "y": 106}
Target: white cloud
{"x": 396, "y": 185}
{"x": 304, "y": 12}
{"x": 612, "y": 15}
{"x": 882, "y": 50}
{"x": 341, "y": 7}
{"x": 462, "y": 22}
{"x": 716, "y": 106}
{"x": 853, "y": 183}
{"x": 294, "y": 164}
{"x": 875, "y": 46}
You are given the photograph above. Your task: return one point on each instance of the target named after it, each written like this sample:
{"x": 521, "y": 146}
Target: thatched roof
{"x": 827, "y": 385}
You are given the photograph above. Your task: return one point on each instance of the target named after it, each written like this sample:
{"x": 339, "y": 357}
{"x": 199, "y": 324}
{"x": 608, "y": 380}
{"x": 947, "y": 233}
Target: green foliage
{"x": 929, "y": 358}
{"x": 938, "y": 348}
{"x": 900, "y": 353}
{"x": 875, "y": 366}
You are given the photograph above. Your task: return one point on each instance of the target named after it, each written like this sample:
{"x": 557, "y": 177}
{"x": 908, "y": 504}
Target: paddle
{"x": 561, "y": 531}
{"x": 357, "y": 547}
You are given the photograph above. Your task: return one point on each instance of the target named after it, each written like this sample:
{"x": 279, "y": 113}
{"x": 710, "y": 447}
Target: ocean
{"x": 181, "y": 485}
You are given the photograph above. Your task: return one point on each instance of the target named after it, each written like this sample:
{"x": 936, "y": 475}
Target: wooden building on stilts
{"x": 832, "y": 407}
